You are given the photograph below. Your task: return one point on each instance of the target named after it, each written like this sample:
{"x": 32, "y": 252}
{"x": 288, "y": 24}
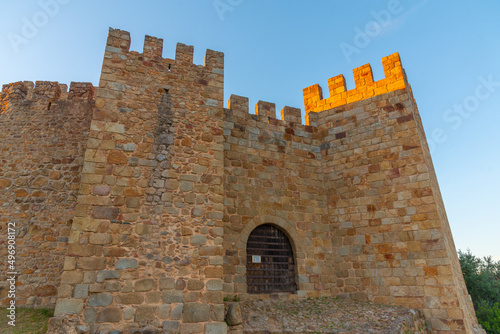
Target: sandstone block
{"x": 145, "y": 284}
{"x": 195, "y": 312}
{"x": 125, "y": 263}
{"x": 4, "y": 183}
{"x": 153, "y": 297}
{"x": 69, "y": 263}
{"x": 217, "y": 313}
{"x": 167, "y": 283}
{"x": 145, "y": 313}
{"x": 130, "y": 298}
{"x": 163, "y": 311}
{"x": 216, "y": 328}
{"x": 117, "y": 157}
{"x": 214, "y": 272}
{"x": 103, "y": 275}
{"x": 89, "y": 315}
{"x": 100, "y": 299}
{"x": 195, "y": 285}
{"x": 112, "y": 286}
{"x": 81, "y": 250}
{"x": 40, "y": 182}
{"x": 68, "y": 306}
{"x": 65, "y": 291}
{"x": 46, "y": 291}
{"x": 72, "y": 277}
{"x": 171, "y": 184}
{"x": 101, "y": 190}
{"x": 171, "y": 326}
{"x": 109, "y": 315}
{"x": 142, "y": 229}
{"x": 81, "y": 291}
{"x": 214, "y": 285}
{"x": 128, "y": 313}
{"x": 171, "y": 296}
{"x": 186, "y": 186}
{"x": 105, "y": 212}
{"x": 198, "y": 239}
{"x": 91, "y": 263}
{"x": 176, "y": 312}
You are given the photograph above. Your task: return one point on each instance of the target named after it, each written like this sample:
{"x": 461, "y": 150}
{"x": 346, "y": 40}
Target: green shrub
{"x": 488, "y": 316}
{"x": 482, "y": 278}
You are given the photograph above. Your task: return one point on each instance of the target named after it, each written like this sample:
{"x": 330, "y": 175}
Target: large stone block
{"x": 130, "y": 298}
{"x": 171, "y": 327}
{"x": 167, "y": 283}
{"x": 195, "y": 312}
{"x": 109, "y": 315}
{"x": 145, "y": 313}
{"x": 145, "y": 284}
{"x": 171, "y": 296}
{"x": 125, "y": 263}
{"x": 216, "y": 328}
{"x": 68, "y": 306}
{"x": 100, "y": 299}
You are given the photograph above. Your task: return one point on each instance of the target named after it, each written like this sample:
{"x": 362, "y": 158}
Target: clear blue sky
{"x": 273, "y": 49}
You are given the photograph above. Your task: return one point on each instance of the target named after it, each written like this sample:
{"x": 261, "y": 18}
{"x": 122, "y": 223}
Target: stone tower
{"x": 155, "y": 202}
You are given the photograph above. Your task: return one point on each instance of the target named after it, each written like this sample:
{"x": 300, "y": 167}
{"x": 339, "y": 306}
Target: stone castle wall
{"x": 43, "y": 131}
{"x": 274, "y": 174}
{"x": 165, "y": 186}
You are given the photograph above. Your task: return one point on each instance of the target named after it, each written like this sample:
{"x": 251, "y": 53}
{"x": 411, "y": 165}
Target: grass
{"x": 28, "y": 321}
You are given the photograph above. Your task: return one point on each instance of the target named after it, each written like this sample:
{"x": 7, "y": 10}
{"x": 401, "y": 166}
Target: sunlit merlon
{"x": 365, "y": 86}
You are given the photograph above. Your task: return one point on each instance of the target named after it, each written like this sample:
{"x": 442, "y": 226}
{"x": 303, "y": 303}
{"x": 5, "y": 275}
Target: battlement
{"x": 48, "y": 91}
{"x": 119, "y": 43}
{"x": 146, "y": 192}
{"x": 265, "y": 110}
{"x": 365, "y": 86}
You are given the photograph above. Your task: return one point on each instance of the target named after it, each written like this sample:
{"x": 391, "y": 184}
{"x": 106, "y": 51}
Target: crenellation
{"x": 238, "y": 103}
{"x": 265, "y": 109}
{"x": 15, "y": 91}
{"x": 81, "y": 90}
{"x": 214, "y": 60}
{"x": 64, "y": 91}
{"x": 30, "y": 85}
{"x": 184, "y": 53}
{"x": 336, "y": 85}
{"x": 153, "y": 47}
{"x": 137, "y": 199}
{"x": 290, "y": 114}
{"x": 47, "y": 90}
{"x": 363, "y": 76}
{"x": 118, "y": 41}
{"x": 365, "y": 86}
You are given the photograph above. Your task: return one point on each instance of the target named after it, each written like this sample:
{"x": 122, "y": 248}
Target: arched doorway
{"x": 270, "y": 261}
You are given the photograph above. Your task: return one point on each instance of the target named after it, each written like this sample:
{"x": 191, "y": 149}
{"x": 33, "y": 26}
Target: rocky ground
{"x": 326, "y": 315}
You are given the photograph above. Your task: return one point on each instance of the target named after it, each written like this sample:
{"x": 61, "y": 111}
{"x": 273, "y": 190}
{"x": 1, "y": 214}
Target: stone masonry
{"x": 134, "y": 200}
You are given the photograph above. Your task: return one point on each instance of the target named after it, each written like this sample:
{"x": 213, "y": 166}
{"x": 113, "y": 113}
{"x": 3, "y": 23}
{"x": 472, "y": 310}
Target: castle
{"x": 139, "y": 205}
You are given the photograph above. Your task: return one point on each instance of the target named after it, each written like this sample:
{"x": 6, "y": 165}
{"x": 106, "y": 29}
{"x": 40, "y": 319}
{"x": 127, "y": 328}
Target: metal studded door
{"x": 270, "y": 262}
